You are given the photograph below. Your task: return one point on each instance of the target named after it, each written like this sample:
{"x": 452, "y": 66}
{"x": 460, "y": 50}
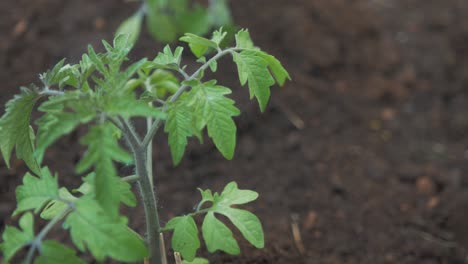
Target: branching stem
{"x": 131, "y": 178}
{"x": 143, "y": 155}
{"x": 182, "y": 89}
{"x": 37, "y": 242}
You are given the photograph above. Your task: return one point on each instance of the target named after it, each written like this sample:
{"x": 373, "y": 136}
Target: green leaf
{"x": 56, "y": 207}
{"x": 196, "y": 261}
{"x": 220, "y": 14}
{"x": 206, "y": 195}
{"x": 127, "y": 107}
{"x": 248, "y": 224}
{"x": 51, "y": 76}
{"x": 51, "y": 127}
{"x": 61, "y": 75}
{"x": 195, "y": 20}
{"x": 279, "y": 72}
{"x": 104, "y": 235}
{"x": 14, "y": 239}
{"x": 131, "y": 27}
{"x": 253, "y": 69}
{"x": 233, "y": 195}
{"x": 103, "y": 148}
{"x": 58, "y": 120}
{"x": 167, "y": 59}
{"x": 179, "y": 128}
{"x": 127, "y": 197}
{"x": 243, "y": 40}
{"x": 162, "y": 82}
{"x": 102, "y": 140}
{"x": 53, "y": 252}
{"x": 161, "y": 26}
{"x": 218, "y": 36}
{"x": 185, "y": 238}
{"x": 36, "y": 191}
{"x": 211, "y": 108}
{"x": 16, "y": 132}
{"x": 198, "y": 45}
{"x": 97, "y": 61}
{"x": 218, "y": 236}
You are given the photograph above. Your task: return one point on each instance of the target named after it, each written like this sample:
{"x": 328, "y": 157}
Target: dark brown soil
{"x": 364, "y": 153}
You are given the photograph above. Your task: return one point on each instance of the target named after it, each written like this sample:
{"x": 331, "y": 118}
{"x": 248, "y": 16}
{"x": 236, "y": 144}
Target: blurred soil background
{"x": 361, "y": 159}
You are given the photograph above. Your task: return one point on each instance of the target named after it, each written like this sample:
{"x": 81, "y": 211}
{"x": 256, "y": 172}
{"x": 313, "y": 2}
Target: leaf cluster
{"x": 167, "y": 20}
{"x": 216, "y": 234}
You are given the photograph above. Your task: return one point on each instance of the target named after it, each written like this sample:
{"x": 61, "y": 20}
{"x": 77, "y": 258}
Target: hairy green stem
{"x": 128, "y": 129}
{"x": 130, "y": 178}
{"x": 149, "y": 202}
{"x": 147, "y": 193}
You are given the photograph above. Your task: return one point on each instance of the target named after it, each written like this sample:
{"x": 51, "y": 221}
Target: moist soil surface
{"x": 360, "y": 159}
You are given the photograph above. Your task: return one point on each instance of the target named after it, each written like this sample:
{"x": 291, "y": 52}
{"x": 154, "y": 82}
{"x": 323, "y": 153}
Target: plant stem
{"x": 51, "y": 92}
{"x": 36, "y": 243}
{"x": 149, "y": 203}
{"x": 147, "y": 193}
{"x": 131, "y": 178}
{"x": 149, "y": 153}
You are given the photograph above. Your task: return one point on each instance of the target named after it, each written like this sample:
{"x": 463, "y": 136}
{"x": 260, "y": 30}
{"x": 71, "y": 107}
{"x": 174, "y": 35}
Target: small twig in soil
{"x": 162, "y": 245}
{"x": 431, "y": 238}
{"x": 295, "y": 119}
{"x": 297, "y": 234}
{"x": 178, "y": 259}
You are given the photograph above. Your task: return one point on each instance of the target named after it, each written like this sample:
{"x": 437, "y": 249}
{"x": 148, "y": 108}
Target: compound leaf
{"x": 211, "y": 108}
{"x": 53, "y": 252}
{"x": 127, "y": 197}
{"x": 279, "y": 72}
{"x": 36, "y": 191}
{"x": 127, "y": 107}
{"x": 247, "y": 223}
{"x": 104, "y": 235}
{"x": 103, "y": 149}
{"x": 57, "y": 122}
{"x": 179, "y": 128}
{"x": 254, "y": 70}
{"x": 185, "y": 238}
{"x": 15, "y": 130}
{"x": 218, "y": 236}
{"x": 14, "y": 239}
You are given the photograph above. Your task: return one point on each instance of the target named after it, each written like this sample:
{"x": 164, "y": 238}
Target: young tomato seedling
{"x": 99, "y": 93}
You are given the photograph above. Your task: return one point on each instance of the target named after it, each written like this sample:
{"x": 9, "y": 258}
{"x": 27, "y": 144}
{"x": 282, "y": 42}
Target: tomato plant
{"x": 106, "y": 97}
